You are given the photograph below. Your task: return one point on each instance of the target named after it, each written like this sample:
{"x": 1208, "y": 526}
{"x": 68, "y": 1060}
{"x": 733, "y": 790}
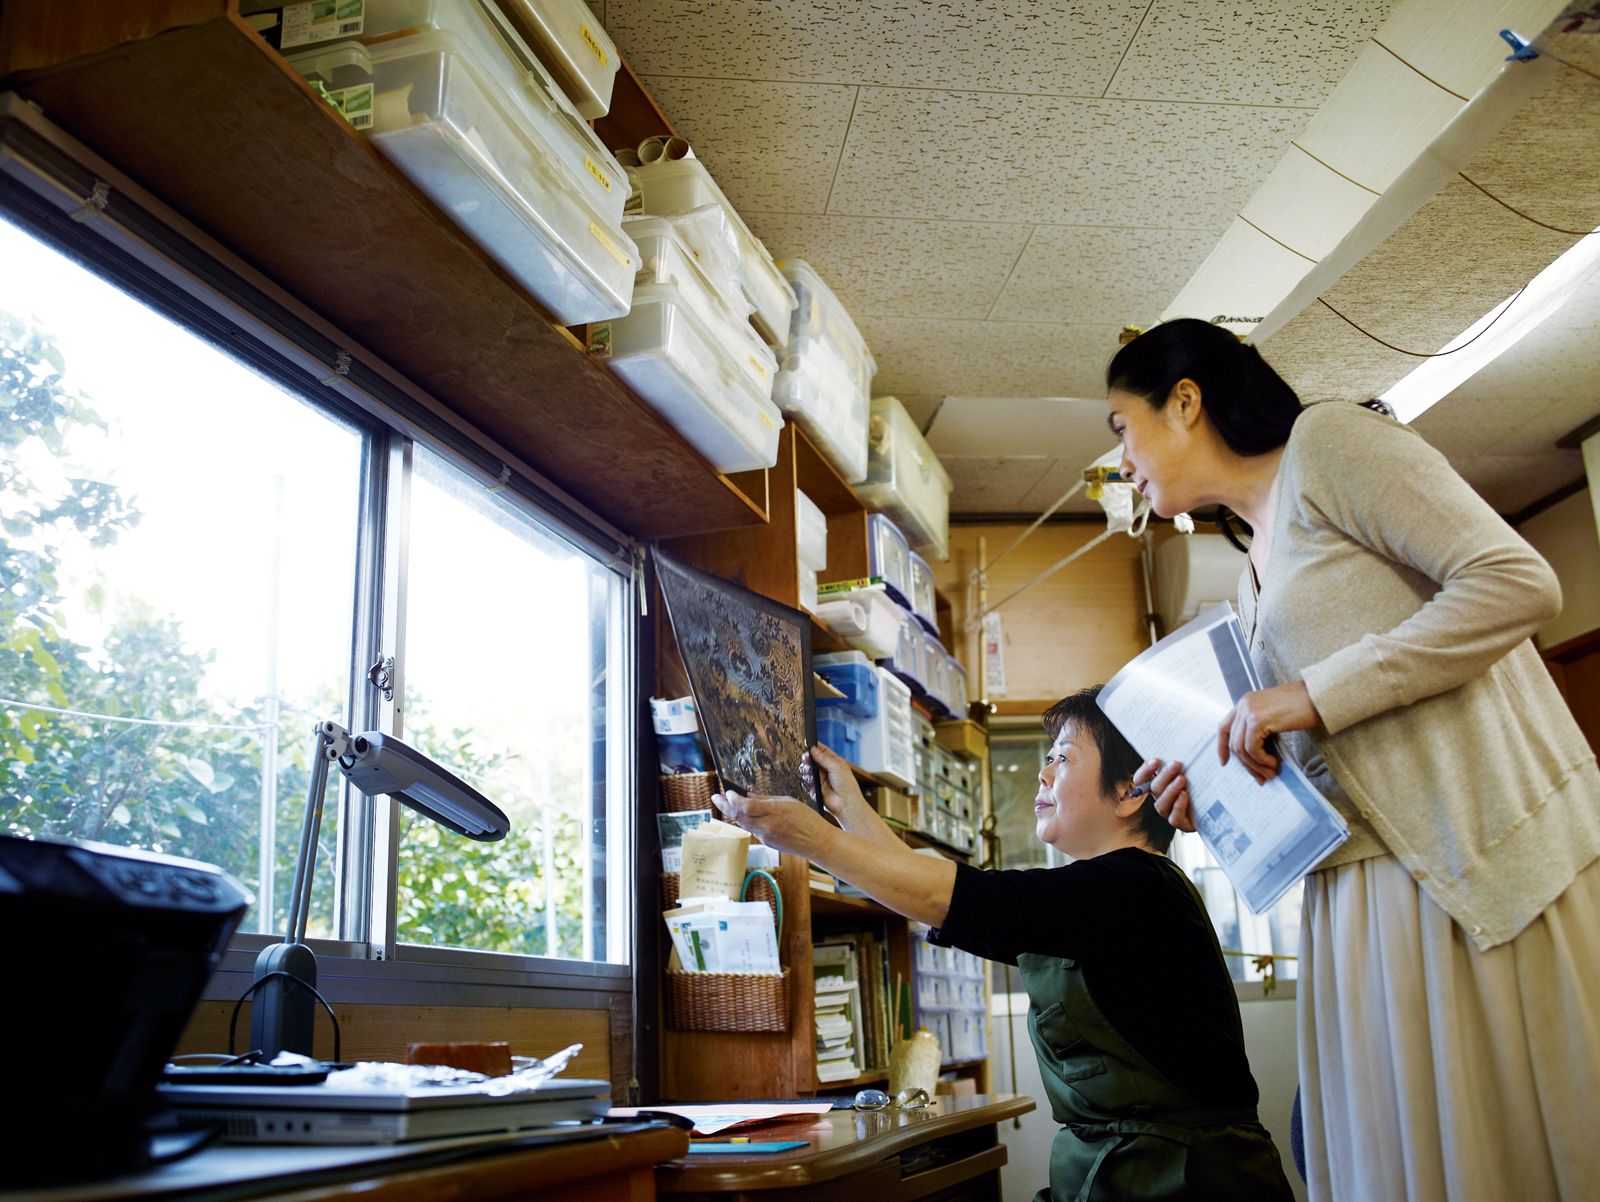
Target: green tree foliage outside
{"x": 194, "y": 790}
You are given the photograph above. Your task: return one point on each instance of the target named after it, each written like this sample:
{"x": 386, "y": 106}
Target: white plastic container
{"x": 513, "y": 72}
{"x": 889, "y": 556}
{"x": 924, "y": 597}
{"x": 712, "y": 397}
{"x": 959, "y": 700}
{"x": 438, "y": 118}
{"x": 683, "y": 185}
{"x": 826, "y": 381}
{"x": 905, "y": 478}
{"x": 573, "y": 46}
{"x": 808, "y": 590}
{"x": 868, "y": 619}
{"x": 886, "y": 740}
{"x": 811, "y": 531}
{"x": 342, "y": 72}
{"x": 666, "y": 258}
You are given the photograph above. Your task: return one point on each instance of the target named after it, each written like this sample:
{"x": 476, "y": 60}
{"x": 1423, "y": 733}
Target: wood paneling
{"x": 1073, "y": 630}
{"x": 1575, "y": 665}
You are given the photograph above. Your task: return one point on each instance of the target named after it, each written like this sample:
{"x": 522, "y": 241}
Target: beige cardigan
{"x": 1406, "y": 605}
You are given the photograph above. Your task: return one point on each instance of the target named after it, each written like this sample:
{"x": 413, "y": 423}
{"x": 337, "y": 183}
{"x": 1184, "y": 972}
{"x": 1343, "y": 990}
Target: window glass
{"x": 177, "y": 573}
{"x": 510, "y": 672}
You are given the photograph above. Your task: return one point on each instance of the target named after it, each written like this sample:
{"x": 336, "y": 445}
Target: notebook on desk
{"x": 331, "y": 1114}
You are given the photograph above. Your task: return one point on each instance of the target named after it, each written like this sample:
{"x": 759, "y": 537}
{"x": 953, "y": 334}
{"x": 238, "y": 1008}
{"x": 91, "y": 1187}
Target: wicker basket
{"x": 758, "y": 889}
{"x": 728, "y": 1001}
{"x": 688, "y": 791}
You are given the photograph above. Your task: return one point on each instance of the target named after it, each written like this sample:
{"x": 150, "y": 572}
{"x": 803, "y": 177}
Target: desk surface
{"x": 841, "y": 1143}
{"x": 480, "y": 1168}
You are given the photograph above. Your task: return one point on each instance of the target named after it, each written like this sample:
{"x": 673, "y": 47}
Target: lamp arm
{"x": 328, "y": 741}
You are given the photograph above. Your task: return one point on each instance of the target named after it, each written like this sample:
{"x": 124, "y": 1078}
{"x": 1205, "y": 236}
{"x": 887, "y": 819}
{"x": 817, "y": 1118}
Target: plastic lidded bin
{"x": 714, "y": 397}
{"x": 449, "y": 129}
{"x": 867, "y": 619}
{"x": 811, "y": 527}
{"x": 924, "y": 597}
{"x": 679, "y": 186}
{"x": 512, "y": 70}
{"x": 574, "y": 46}
{"x": 838, "y": 735}
{"x": 889, "y": 556}
{"x": 905, "y": 478}
{"x": 826, "y": 381}
{"x": 856, "y": 679}
{"x": 666, "y": 257}
{"x": 342, "y": 72}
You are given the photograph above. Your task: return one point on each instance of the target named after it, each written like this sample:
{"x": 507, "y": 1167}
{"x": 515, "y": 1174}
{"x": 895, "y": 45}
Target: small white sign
{"x": 994, "y": 656}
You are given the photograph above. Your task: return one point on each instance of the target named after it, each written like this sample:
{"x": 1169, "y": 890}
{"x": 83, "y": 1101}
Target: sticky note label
{"x": 610, "y": 243}
{"x": 590, "y": 41}
{"x": 594, "y": 170}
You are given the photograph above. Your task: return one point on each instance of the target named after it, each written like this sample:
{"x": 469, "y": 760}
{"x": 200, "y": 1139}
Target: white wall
{"x": 1565, "y": 534}
{"x": 1269, "y": 1042}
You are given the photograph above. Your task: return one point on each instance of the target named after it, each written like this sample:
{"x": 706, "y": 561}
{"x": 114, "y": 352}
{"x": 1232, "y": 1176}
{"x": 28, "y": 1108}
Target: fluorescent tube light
{"x": 1438, "y": 377}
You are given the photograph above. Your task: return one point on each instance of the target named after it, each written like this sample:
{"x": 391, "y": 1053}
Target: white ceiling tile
{"x": 769, "y": 145}
{"x": 988, "y": 357}
{"x": 1100, "y": 274}
{"x": 899, "y": 268}
{"x": 1285, "y": 52}
{"x": 1001, "y": 426}
{"x": 598, "y": 8}
{"x": 1055, "y": 484}
{"x": 993, "y": 157}
{"x": 1511, "y": 483}
{"x": 985, "y": 484}
{"x": 921, "y": 406}
{"x": 1066, "y": 48}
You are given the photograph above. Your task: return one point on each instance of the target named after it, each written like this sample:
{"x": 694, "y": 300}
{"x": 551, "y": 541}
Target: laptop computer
{"x": 328, "y": 1113}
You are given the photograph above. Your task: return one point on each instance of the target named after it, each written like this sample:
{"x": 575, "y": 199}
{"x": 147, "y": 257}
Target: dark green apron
{"x": 1126, "y": 1131}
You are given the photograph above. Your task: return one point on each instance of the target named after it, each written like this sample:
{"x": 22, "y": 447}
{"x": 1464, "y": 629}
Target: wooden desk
{"x": 611, "y": 1167}
{"x": 883, "y": 1156}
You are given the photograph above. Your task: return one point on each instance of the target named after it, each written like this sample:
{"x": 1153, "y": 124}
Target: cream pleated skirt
{"x": 1432, "y": 1071}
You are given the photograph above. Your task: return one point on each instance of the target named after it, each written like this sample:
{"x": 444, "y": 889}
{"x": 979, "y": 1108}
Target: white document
{"x": 715, "y": 1116}
{"x": 1168, "y": 703}
{"x": 717, "y": 935}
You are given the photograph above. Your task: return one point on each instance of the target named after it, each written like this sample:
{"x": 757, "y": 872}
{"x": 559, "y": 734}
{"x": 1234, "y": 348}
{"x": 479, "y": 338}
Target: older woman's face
{"x": 1070, "y": 812}
{"x": 1154, "y": 446}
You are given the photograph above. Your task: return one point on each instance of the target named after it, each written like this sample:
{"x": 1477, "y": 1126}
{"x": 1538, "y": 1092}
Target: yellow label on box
{"x": 589, "y": 41}
{"x": 761, "y": 368}
{"x": 605, "y": 180}
{"x": 610, "y": 243}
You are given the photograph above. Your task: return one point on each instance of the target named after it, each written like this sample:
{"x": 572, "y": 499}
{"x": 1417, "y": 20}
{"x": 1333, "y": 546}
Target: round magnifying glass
{"x": 872, "y": 1099}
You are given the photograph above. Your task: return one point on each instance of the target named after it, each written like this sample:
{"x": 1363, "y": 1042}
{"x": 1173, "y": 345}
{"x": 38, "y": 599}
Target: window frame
{"x": 66, "y": 196}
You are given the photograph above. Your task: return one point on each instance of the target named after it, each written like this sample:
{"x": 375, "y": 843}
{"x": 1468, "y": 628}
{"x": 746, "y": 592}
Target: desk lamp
{"x": 284, "y": 1010}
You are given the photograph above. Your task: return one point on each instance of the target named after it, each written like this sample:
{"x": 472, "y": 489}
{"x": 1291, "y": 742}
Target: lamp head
{"x": 380, "y": 763}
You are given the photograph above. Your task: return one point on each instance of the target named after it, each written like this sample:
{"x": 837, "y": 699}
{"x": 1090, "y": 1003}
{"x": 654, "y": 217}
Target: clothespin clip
{"x": 1098, "y": 477}
{"x": 1522, "y": 51}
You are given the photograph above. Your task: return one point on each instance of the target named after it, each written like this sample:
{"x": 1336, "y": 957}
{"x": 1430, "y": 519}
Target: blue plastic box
{"x": 841, "y": 736}
{"x": 858, "y": 683}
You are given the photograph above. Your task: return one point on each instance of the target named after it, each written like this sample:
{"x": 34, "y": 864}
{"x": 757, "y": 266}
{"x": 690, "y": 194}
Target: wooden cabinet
{"x": 765, "y": 559}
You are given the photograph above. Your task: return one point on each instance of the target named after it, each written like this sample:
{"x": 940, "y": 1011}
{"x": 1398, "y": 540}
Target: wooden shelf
{"x": 870, "y": 1077}
{"x": 277, "y": 177}
{"x": 824, "y": 901}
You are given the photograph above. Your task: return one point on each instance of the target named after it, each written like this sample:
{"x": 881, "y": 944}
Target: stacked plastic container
{"x": 871, "y": 725}
{"x": 948, "y": 986}
{"x": 905, "y": 478}
{"x": 679, "y": 187}
{"x": 948, "y": 786}
{"x": 826, "y": 382}
{"x": 464, "y": 109}
{"x": 811, "y": 533}
{"x": 692, "y": 357}
{"x": 573, "y": 47}
{"x": 924, "y": 598}
{"x": 889, "y": 556}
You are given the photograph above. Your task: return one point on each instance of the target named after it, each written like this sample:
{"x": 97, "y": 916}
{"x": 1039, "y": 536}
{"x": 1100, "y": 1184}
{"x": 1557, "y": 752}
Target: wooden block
{"x": 490, "y": 1059}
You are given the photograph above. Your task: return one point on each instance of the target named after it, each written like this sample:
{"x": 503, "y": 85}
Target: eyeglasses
{"x": 906, "y": 1099}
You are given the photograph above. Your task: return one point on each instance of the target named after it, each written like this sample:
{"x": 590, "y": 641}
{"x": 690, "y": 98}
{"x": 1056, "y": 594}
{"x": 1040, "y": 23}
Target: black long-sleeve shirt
{"x": 1144, "y": 945}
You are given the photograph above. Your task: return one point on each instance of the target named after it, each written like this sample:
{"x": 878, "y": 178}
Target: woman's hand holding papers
{"x": 1256, "y": 718}
{"x": 1170, "y": 787}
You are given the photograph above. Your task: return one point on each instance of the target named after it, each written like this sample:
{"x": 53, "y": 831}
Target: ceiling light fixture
{"x": 1470, "y": 351}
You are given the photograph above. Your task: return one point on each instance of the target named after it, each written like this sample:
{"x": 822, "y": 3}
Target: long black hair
{"x": 1250, "y": 405}
{"x": 1118, "y": 760}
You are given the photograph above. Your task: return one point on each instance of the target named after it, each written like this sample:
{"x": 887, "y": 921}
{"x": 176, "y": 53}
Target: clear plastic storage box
{"x": 889, "y": 556}
{"x": 924, "y": 597}
{"x": 513, "y": 74}
{"x": 959, "y": 700}
{"x": 342, "y": 72}
{"x": 713, "y": 397}
{"x": 440, "y": 120}
{"x": 811, "y": 532}
{"x": 905, "y": 478}
{"x": 573, "y": 46}
{"x": 826, "y": 378}
{"x": 680, "y": 186}
{"x": 868, "y": 619}
{"x": 886, "y": 746}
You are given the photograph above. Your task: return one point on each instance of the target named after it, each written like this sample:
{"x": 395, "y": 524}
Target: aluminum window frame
{"x": 67, "y": 196}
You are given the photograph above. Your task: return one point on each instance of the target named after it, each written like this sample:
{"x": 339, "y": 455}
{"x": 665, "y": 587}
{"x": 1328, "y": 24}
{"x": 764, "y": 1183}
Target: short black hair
{"x": 1118, "y": 760}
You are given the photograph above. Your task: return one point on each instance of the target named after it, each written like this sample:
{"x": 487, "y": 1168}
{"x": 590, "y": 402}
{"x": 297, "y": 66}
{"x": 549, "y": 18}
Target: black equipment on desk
{"x": 108, "y": 950}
